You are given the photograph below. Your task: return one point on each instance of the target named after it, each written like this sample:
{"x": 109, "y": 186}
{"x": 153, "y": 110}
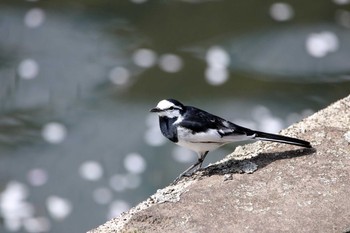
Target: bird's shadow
{"x": 252, "y": 164}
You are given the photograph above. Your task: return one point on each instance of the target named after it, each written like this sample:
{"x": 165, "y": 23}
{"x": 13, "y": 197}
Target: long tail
{"x": 283, "y": 139}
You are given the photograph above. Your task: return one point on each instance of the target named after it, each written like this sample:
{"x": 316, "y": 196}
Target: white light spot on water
{"x": 132, "y": 181}
{"x": 118, "y": 182}
{"x": 170, "y": 63}
{"x": 343, "y": 18}
{"x": 154, "y": 137}
{"x": 54, "y": 132}
{"x": 271, "y": 124}
{"x": 37, "y": 177}
{"x": 34, "y": 17}
{"x": 102, "y": 196}
{"x": 144, "y": 58}
{"x": 217, "y": 57}
{"x": 218, "y": 61}
{"x": 216, "y": 76}
{"x": 91, "y": 170}
{"x": 320, "y": 44}
{"x": 58, "y": 208}
{"x": 13, "y": 193}
{"x": 138, "y": 1}
{"x": 134, "y": 163}
{"x": 281, "y": 11}
{"x": 36, "y": 225}
{"x": 266, "y": 121}
{"x": 13, "y": 205}
{"x": 341, "y": 2}
{"x": 119, "y": 75}
{"x": 28, "y": 69}
{"x": 152, "y": 120}
{"x": 183, "y": 155}
{"x": 259, "y": 112}
{"x": 12, "y": 224}
{"x": 117, "y": 207}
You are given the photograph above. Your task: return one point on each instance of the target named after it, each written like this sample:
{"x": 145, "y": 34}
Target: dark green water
{"x": 77, "y": 143}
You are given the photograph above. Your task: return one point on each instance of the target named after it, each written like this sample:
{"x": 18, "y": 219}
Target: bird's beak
{"x": 154, "y": 110}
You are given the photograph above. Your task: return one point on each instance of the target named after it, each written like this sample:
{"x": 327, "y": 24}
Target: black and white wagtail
{"x": 202, "y": 132}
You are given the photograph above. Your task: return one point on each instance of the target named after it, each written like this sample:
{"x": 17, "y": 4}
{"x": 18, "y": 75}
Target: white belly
{"x": 198, "y": 146}
{"x": 199, "y": 142}
{"x": 206, "y": 141}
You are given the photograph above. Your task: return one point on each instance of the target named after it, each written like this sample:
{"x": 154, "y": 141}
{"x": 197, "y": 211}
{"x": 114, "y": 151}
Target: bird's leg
{"x": 201, "y": 159}
{"x": 198, "y": 164}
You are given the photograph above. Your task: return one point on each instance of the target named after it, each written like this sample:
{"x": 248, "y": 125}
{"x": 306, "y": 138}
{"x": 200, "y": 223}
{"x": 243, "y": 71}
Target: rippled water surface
{"x": 77, "y": 142}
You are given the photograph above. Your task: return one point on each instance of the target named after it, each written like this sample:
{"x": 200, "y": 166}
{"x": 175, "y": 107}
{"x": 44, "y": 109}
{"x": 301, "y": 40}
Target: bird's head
{"x": 169, "y": 108}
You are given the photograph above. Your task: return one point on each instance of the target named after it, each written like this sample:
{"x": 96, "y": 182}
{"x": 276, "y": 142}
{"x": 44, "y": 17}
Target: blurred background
{"x": 77, "y": 143}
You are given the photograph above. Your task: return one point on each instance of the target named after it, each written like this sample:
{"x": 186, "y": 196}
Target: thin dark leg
{"x": 201, "y": 158}
{"x": 198, "y": 164}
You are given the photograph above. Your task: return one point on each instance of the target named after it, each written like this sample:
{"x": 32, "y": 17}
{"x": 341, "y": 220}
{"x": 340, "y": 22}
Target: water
{"x": 77, "y": 143}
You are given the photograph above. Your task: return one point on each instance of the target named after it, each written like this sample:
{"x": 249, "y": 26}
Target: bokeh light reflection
{"x": 37, "y": 224}
{"x": 341, "y": 2}
{"x": 170, "y": 63}
{"x": 102, "y": 195}
{"x": 119, "y": 75}
{"x": 153, "y": 136}
{"x": 34, "y": 17}
{"x": 281, "y": 11}
{"x": 134, "y": 163}
{"x": 320, "y": 44}
{"x": 183, "y": 155}
{"x": 144, "y": 58}
{"x": 343, "y": 18}
{"x": 37, "y": 177}
{"x": 59, "y": 208}
{"x": 117, "y": 207}
{"x": 14, "y": 208}
{"x": 54, "y": 132}
{"x": 28, "y": 69}
{"x": 218, "y": 61}
{"x": 118, "y": 182}
{"x": 91, "y": 170}
{"x": 266, "y": 122}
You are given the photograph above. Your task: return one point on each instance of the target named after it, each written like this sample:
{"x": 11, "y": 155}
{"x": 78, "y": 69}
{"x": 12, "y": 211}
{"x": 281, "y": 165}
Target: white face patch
{"x": 169, "y": 109}
{"x": 164, "y": 104}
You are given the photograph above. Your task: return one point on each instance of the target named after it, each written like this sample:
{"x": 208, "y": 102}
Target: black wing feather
{"x": 199, "y": 120}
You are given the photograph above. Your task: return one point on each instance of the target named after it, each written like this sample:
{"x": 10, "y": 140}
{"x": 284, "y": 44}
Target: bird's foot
{"x": 186, "y": 174}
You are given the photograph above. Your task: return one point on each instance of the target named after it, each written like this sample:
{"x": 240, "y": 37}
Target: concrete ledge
{"x": 288, "y": 189}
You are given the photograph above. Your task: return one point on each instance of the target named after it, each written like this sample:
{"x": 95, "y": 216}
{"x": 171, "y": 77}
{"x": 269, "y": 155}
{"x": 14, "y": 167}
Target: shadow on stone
{"x": 252, "y": 164}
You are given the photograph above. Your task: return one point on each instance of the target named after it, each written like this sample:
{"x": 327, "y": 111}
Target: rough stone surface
{"x": 261, "y": 187}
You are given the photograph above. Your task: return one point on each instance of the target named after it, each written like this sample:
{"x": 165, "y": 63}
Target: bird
{"x": 202, "y": 132}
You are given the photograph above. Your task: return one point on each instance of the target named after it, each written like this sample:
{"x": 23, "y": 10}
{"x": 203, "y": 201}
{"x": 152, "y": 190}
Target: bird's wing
{"x": 201, "y": 126}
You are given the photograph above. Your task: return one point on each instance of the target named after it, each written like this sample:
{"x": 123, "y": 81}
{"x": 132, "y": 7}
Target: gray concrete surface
{"x": 260, "y": 187}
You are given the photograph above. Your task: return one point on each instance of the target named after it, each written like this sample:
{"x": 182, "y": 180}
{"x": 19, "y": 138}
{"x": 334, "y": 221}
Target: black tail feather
{"x": 283, "y": 139}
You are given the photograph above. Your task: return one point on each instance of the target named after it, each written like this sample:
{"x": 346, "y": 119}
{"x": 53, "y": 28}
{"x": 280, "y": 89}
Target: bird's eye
{"x": 171, "y": 108}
